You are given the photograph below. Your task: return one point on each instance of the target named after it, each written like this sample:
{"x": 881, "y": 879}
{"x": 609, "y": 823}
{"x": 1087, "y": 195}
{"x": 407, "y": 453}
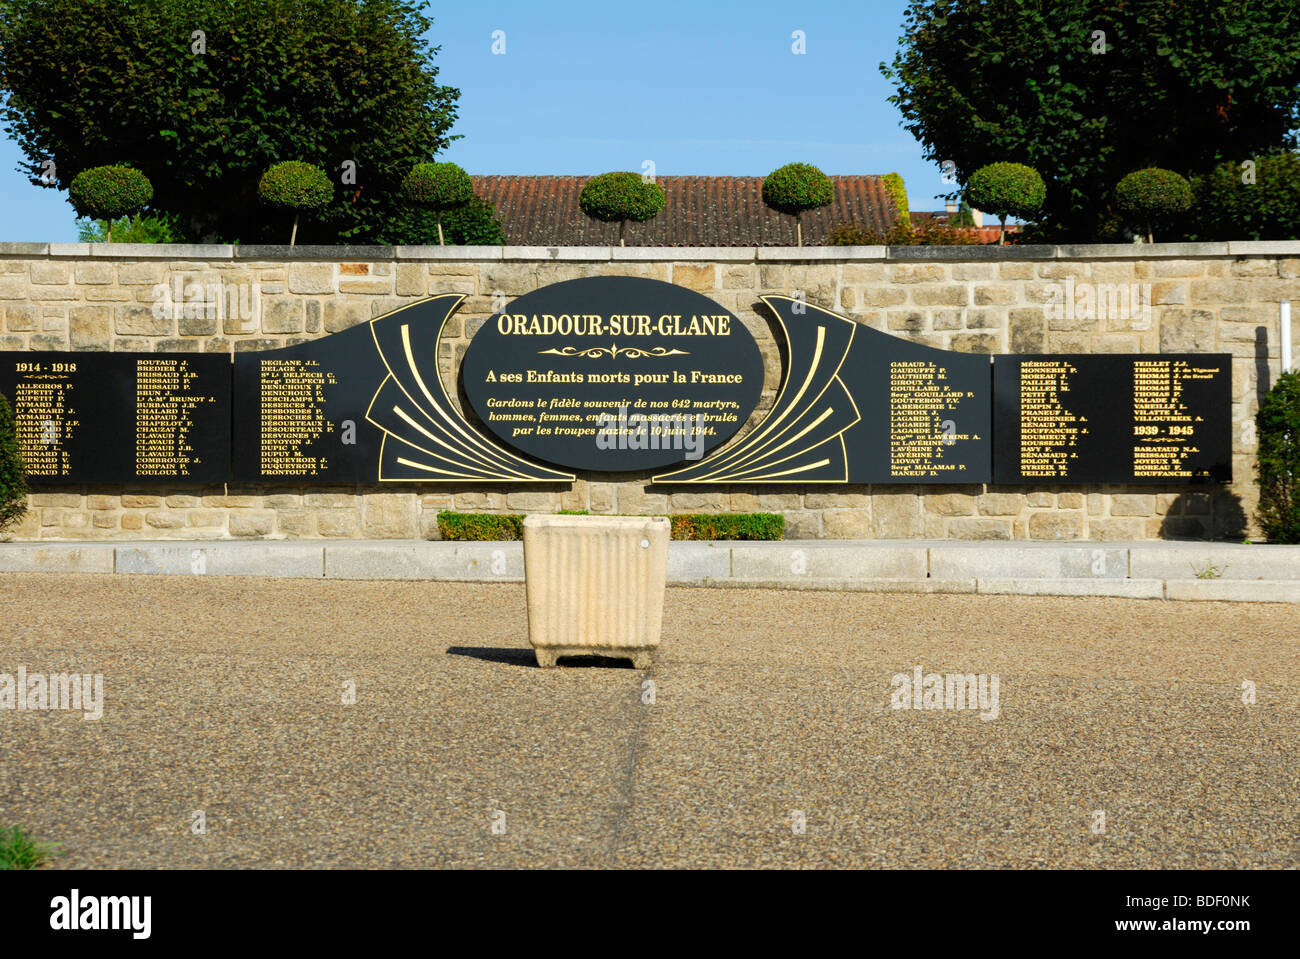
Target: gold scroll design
{"x": 802, "y": 437}
{"x": 426, "y": 439}
{"x": 614, "y": 351}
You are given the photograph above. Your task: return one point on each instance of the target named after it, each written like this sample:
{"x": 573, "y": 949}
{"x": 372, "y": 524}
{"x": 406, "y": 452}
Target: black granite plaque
{"x": 120, "y": 417}
{"x": 613, "y": 373}
{"x": 1113, "y": 418}
{"x": 861, "y": 406}
{"x": 363, "y": 405}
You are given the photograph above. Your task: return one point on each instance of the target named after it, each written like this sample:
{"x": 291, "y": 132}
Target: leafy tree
{"x": 796, "y": 187}
{"x": 348, "y": 85}
{"x": 1277, "y": 465}
{"x": 13, "y": 481}
{"x": 1179, "y": 85}
{"x": 107, "y": 192}
{"x": 439, "y": 188}
{"x": 1152, "y": 196}
{"x": 1233, "y": 205}
{"x": 294, "y": 185}
{"x": 1007, "y": 189}
{"x": 619, "y": 197}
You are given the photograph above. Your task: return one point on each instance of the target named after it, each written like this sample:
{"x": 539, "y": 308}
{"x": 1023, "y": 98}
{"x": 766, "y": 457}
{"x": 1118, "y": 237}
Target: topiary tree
{"x": 13, "y": 482}
{"x": 108, "y": 192}
{"x": 1277, "y": 464}
{"x": 1151, "y": 195}
{"x": 796, "y": 187}
{"x": 1006, "y": 189}
{"x": 440, "y": 187}
{"x": 295, "y": 185}
{"x": 619, "y": 197}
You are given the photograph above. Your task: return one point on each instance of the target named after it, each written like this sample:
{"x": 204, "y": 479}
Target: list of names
{"x": 1164, "y": 427}
{"x": 1049, "y": 431}
{"x": 45, "y": 414}
{"x": 293, "y": 393}
{"x": 921, "y": 426}
{"x": 167, "y": 400}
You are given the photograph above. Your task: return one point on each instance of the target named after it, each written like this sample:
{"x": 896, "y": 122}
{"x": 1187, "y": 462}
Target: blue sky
{"x": 708, "y": 88}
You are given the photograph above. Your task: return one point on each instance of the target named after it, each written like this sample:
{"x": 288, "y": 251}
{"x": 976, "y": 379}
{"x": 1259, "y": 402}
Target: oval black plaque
{"x": 613, "y": 373}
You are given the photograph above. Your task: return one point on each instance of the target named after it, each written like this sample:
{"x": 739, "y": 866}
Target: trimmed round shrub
{"x": 1007, "y": 189}
{"x": 1267, "y": 209}
{"x": 796, "y": 187}
{"x": 13, "y": 482}
{"x": 619, "y": 197}
{"x": 1277, "y": 465}
{"x": 295, "y": 185}
{"x": 439, "y": 187}
{"x": 109, "y": 192}
{"x": 1151, "y": 196}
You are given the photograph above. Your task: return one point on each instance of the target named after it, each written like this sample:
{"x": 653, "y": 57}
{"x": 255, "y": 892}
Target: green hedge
{"x": 480, "y": 526}
{"x": 728, "y": 526}
{"x": 703, "y": 526}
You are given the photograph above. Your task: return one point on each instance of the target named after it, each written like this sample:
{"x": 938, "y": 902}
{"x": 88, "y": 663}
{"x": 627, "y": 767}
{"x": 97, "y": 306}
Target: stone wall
{"x": 1204, "y": 298}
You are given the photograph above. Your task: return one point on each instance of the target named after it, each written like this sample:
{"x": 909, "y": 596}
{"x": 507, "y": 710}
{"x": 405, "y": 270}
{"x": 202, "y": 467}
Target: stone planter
{"x": 595, "y": 585}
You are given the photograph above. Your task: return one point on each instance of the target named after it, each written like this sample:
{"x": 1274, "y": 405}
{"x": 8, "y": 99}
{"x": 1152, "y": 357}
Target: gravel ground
{"x": 225, "y": 695}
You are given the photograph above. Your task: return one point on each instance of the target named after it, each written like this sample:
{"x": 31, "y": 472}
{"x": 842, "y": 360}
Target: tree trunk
{"x": 1002, "y": 231}
{"x": 293, "y": 237}
{"x": 798, "y": 231}
{"x": 440, "y": 240}
{"x": 622, "y": 228}
{"x": 109, "y": 221}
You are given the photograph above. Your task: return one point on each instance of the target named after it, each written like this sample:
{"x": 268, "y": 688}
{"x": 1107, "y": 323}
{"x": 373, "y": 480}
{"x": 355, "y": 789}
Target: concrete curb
{"x": 1220, "y": 572}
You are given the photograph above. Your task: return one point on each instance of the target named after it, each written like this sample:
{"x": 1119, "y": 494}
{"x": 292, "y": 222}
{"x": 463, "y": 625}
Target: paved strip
{"x": 1183, "y": 570}
{"x": 225, "y": 695}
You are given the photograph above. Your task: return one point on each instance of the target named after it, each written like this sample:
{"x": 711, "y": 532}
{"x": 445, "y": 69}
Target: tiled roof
{"x": 699, "y": 211}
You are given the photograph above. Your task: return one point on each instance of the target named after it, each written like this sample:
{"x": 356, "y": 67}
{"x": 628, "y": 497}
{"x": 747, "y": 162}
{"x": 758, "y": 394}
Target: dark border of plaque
{"x": 1125, "y": 419}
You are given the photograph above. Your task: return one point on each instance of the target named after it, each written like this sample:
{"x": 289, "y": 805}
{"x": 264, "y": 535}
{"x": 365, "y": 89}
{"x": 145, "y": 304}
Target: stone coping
{"x": 605, "y": 254}
{"x": 1182, "y": 570}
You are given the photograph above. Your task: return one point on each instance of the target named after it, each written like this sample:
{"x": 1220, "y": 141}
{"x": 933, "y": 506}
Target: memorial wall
{"x": 1095, "y": 393}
